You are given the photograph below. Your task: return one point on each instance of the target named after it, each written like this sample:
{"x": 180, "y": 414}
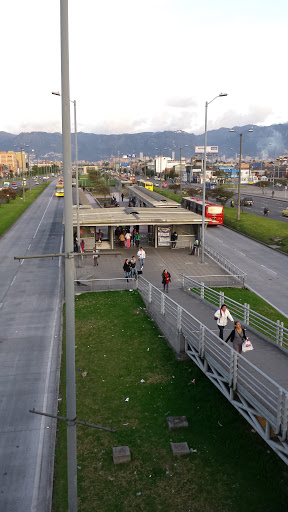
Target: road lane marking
{"x": 13, "y": 280}
{"x": 239, "y": 252}
{"x": 43, "y": 216}
{"x": 35, "y": 497}
{"x": 269, "y": 269}
{"x": 29, "y": 247}
{"x": 215, "y": 238}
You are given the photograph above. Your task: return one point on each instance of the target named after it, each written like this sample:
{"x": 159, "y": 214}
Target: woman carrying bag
{"x": 238, "y": 336}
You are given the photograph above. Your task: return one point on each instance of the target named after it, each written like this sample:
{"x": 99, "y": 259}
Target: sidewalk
{"x": 272, "y": 361}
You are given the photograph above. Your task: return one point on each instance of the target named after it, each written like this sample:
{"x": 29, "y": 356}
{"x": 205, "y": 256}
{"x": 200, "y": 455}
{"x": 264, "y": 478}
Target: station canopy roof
{"x": 135, "y": 216}
{"x": 151, "y": 198}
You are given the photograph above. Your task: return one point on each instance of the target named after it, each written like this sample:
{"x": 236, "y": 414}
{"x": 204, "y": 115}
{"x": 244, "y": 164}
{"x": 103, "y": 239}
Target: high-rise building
{"x": 11, "y": 160}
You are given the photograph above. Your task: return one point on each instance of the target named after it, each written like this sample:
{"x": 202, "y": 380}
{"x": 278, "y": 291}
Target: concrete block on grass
{"x": 179, "y": 449}
{"x": 177, "y": 422}
{"x": 121, "y": 454}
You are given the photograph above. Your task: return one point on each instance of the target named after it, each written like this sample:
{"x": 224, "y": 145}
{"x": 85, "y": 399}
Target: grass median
{"x": 9, "y": 212}
{"x": 119, "y": 347}
{"x": 269, "y": 231}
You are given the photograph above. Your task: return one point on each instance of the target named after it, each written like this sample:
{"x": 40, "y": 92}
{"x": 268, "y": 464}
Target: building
{"x": 11, "y": 161}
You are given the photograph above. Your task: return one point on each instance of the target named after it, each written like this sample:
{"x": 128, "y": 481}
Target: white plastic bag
{"x": 247, "y": 345}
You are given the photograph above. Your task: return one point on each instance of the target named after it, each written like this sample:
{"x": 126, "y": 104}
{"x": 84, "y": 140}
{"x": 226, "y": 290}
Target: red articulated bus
{"x": 213, "y": 211}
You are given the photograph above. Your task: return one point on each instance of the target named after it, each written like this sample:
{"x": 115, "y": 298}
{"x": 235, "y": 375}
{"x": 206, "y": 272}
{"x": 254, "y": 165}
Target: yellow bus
{"x": 145, "y": 184}
{"x": 59, "y": 190}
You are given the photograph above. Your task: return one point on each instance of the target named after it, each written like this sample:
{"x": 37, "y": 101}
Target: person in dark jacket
{"x": 127, "y": 269}
{"x": 166, "y": 279}
{"x": 237, "y": 336}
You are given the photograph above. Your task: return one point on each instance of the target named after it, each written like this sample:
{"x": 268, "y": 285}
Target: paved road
{"x": 30, "y": 308}
{"x": 275, "y": 206}
{"x": 267, "y": 270}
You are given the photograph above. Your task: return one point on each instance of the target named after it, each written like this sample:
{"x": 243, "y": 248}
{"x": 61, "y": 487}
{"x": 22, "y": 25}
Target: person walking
{"x": 128, "y": 238}
{"x": 95, "y": 254}
{"x": 82, "y": 245}
{"x": 127, "y": 269}
{"x": 122, "y": 239}
{"x": 195, "y": 247}
{"x": 122, "y": 197}
{"x": 237, "y": 336}
{"x": 141, "y": 256}
{"x": 222, "y": 315}
{"x": 166, "y": 279}
{"x": 133, "y": 263}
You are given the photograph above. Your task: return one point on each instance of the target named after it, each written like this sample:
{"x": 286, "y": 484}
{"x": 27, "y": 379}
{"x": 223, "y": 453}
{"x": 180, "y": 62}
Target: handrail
{"x": 266, "y": 398}
{"x": 225, "y": 263}
{"x": 273, "y": 331}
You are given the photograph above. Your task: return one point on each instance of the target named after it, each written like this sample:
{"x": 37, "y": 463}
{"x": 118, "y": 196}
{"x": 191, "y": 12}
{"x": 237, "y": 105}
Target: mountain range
{"x": 264, "y": 142}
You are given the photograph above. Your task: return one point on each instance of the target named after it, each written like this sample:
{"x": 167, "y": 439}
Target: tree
{"x": 222, "y": 193}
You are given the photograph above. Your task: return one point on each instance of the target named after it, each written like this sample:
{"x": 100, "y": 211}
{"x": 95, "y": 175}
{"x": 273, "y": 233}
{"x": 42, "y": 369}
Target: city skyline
{"x": 151, "y": 68}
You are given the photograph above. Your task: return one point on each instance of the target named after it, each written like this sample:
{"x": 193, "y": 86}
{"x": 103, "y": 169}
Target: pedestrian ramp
{"x": 255, "y": 395}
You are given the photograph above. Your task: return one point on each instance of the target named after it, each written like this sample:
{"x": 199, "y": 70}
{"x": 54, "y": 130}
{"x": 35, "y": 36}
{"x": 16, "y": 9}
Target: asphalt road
{"x": 267, "y": 270}
{"x": 30, "y": 312}
{"x": 275, "y": 206}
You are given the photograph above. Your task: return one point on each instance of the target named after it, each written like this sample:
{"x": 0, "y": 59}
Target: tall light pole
{"x": 239, "y": 174}
{"x": 181, "y": 192}
{"x": 69, "y": 265}
{"x": 274, "y": 167}
{"x": 77, "y": 172}
{"x": 204, "y": 175}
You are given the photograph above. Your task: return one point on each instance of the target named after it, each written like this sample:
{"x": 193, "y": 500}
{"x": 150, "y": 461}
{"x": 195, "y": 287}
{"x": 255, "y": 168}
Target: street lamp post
{"x": 181, "y": 191}
{"x": 204, "y": 175}
{"x": 77, "y": 171}
{"x": 69, "y": 265}
{"x": 239, "y": 174}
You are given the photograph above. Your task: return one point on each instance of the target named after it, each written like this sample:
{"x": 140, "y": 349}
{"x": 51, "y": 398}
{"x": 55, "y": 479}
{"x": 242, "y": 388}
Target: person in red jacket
{"x": 166, "y": 279}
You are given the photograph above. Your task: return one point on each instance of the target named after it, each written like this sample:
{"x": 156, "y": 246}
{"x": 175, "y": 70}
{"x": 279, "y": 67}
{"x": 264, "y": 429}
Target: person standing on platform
{"x": 122, "y": 239}
{"x": 174, "y": 238}
{"x": 122, "y": 197}
{"x": 137, "y": 239}
{"x": 141, "y": 256}
{"x": 133, "y": 264}
{"x": 82, "y": 245}
{"x": 95, "y": 256}
{"x": 127, "y": 238}
{"x": 127, "y": 269}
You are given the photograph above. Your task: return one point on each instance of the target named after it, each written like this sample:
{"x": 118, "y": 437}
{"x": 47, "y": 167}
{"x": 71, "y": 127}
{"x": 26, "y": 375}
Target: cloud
{"x": 179, "y": 102}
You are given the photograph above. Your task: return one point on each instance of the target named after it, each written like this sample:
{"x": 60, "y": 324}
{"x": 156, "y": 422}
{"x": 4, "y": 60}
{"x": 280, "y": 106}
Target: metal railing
{"x": 253, "y": 393}
{"x": 227, "y": 280}
{"x": 100, "y": 285}
{"x": 272, "y": 331}
{"x": 226, "y": 264}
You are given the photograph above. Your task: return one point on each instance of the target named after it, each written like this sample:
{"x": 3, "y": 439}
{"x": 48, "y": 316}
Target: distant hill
{"x": 262, "y": 143}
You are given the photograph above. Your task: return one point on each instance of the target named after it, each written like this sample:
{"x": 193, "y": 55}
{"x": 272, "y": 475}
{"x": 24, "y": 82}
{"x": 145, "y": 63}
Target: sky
{"x": 145, "y": 66}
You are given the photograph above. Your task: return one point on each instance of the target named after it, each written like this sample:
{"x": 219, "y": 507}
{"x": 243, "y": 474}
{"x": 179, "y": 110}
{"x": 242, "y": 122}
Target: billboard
{"x": 210, "y": 150}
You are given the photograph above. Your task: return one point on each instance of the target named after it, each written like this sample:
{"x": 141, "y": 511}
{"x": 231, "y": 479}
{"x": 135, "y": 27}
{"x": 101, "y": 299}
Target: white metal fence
{"x": 272, "y": 331}
{"x": 226, "y": 264}
{"x": 252, "y": 392}
{"x": 100, "y": 285}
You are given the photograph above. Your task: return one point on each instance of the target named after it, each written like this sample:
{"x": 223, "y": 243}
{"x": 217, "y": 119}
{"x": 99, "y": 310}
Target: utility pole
{"x": 69, "y": 265}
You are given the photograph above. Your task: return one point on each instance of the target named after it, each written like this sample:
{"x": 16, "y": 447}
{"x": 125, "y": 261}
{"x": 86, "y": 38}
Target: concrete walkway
{"x": 267, "y": 357}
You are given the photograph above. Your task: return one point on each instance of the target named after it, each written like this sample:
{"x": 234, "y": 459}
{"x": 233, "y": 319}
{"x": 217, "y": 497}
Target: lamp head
{"x": 56, "y": 93}
{"x": 223, "y": 94}
{"x": 250, "y": 130}
{"x": 232, "y": 130}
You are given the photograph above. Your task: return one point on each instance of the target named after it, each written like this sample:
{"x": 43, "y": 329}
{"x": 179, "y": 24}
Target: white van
{"x": 6, "y": 184}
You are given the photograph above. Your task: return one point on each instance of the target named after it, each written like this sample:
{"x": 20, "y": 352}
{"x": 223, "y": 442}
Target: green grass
{"x": 169, "y": 193}
{"x": 9, "y": 212}
{"x": 118, "y": 345}
{"x": 260, "y": 228}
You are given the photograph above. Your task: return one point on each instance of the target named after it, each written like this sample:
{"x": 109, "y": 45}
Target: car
{"x": 285, "y": 212}
{"x": 36, "y": 182}
{"x": 156, "y": 185}
{"x": 246, "y": 201}
{"x": 164, "y": 185}
{"x": 14, "y": 185}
